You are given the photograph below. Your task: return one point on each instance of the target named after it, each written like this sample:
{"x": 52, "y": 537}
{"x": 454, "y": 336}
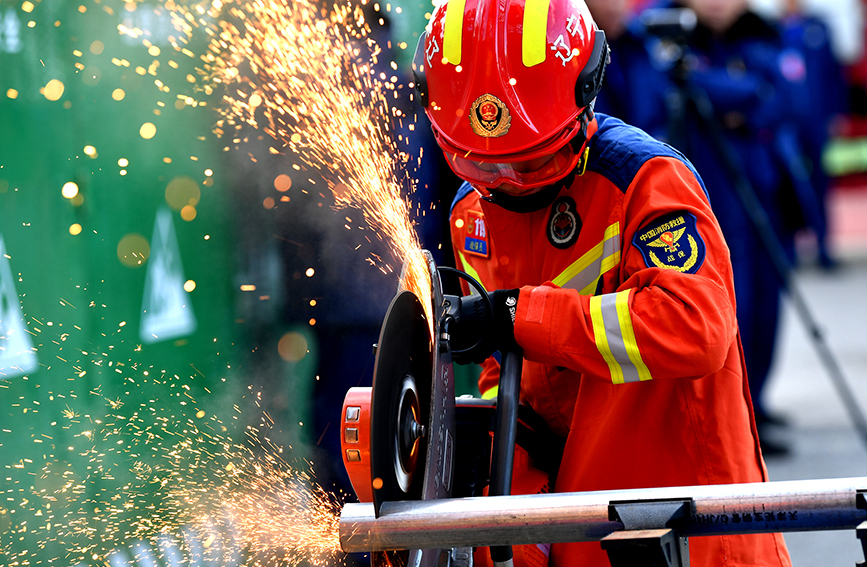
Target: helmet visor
{"x": 524, "y": 174}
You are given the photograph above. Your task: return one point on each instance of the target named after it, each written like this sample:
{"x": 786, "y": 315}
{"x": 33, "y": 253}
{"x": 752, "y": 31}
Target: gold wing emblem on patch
{"x": 687, "y": 265}
{"x": 668, "y": 239}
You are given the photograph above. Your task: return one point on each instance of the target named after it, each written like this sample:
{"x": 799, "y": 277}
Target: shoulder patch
{"x": 476, "y": 237}
{"x": 671, "y": 242}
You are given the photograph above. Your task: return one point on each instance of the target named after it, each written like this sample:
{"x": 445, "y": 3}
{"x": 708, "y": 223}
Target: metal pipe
{"x": 802, "y": 505}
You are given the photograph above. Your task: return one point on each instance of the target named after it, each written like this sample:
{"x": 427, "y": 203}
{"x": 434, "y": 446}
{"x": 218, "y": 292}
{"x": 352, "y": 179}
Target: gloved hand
{"x": 475, "y": 332}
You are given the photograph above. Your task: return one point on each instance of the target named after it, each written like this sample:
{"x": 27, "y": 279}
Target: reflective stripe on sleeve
{"x": 615, "y": 337}
{"x": 534, "y": 40}
{"x": 491, "y": 393}
{"x": 452, "y": 31}
{"x": 584, "y": 273}
{"x": 469, "y": 269}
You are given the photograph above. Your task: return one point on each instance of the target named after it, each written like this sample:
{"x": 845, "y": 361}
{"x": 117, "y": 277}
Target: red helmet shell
{"x": 501, "y": 75}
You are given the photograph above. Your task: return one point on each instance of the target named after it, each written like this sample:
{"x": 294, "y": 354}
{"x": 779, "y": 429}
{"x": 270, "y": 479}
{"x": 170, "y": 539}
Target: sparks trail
{"x": 242, "y": 495}
{"x": 163, "y": 469}
{"x": 276, "y": 513}
{"x": 312, "y": 80}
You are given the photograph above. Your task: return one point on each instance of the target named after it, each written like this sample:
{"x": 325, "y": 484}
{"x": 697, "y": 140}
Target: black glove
{"x": 475, "y": 332}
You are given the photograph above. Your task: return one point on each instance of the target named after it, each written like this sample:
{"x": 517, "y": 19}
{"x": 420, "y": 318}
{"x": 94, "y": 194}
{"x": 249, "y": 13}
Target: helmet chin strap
{"x": 579, "y": 142}
{"x": 530, "y": 203}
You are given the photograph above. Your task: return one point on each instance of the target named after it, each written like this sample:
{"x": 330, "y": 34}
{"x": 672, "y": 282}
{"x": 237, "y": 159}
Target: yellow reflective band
{"x": 452, "y": 31}
{"x": 491, "y": 394}
{"x": 469, "y": 269}
{"x": 534, "y": 41}
{"x": 610, "y": 262}
{"x": 582, "y": 165}
{"x": 601, "y": 337}
{"x": 584, "y": 273}
{"x": 615, "y": 337}
{"x": 578, "y": 266}
{"x": 628, "y": 333}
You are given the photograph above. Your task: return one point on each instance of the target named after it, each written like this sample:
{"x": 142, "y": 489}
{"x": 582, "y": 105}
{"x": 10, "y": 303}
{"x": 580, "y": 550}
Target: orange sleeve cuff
{"x": 533, "y": 328}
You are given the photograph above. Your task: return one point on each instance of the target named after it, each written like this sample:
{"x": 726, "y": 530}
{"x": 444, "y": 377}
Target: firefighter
{"x": 602, "y": 259}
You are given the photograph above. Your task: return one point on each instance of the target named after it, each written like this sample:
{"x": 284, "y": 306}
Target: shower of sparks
{"x": 276, "y": 513}
{"x": 313, "y": 80}
{"x": 182, "y": 483}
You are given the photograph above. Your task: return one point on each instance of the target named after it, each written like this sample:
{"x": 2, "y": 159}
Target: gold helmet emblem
{"x": 490, "y": 117}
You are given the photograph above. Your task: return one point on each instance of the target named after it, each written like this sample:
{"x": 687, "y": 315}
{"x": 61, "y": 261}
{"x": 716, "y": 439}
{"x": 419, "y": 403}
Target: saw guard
{"x": 411, "y": 367}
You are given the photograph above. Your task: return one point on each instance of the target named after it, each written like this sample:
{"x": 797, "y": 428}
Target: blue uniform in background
{"x": 824, "y": 93}
{"x": 762, "y": 105}
{"x": 635, "y": 84}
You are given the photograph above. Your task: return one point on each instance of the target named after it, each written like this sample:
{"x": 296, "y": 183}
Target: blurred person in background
{"x": 760, "y": 103}
{"x": 632, "y": 74}
{"x": 826, "y": 99}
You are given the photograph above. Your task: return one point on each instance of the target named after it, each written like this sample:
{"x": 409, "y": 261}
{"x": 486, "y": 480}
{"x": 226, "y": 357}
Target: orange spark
{"x": 312, "y": 82}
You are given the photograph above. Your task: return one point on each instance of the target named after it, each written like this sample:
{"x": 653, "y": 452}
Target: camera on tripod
{"x": 673, "y": 24}
{"x": 671, "y": 29}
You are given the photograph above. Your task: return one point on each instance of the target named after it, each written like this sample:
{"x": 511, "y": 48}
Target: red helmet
{"x": 508, "y": 85}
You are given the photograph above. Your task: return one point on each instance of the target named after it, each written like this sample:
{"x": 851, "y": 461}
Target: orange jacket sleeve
{"x": 661, "y": 321}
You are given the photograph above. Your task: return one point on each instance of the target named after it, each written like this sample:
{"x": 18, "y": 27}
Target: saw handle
{"x": 451, "y": 308}
{"x": 508, "y": 398}
{"x": 505, "y": 434}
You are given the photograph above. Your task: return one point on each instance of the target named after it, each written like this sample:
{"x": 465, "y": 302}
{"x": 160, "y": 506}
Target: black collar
{"x": 530, "y": 203}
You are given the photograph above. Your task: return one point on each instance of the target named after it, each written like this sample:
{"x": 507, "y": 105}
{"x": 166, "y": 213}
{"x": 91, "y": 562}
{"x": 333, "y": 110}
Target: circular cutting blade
{"x": 400, "y": 404}
{"x": 412, "y": 413}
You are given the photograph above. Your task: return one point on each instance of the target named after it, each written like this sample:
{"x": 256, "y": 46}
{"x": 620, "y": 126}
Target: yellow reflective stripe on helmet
{"x": 452, "y": 31}
{"x": 534, "y": 41}
{"x": 491, "y": 393}
{"x": 584, "y": 273}
{"x": 615, "y": 337}
{"x": 469, "y": 269}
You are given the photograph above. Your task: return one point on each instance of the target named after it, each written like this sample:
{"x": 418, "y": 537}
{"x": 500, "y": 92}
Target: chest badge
{"x": 476, "y": 237}
{"x": 564, "y": 223}
{"x": 490, "y": 117}
{"x": 671, "y": 242}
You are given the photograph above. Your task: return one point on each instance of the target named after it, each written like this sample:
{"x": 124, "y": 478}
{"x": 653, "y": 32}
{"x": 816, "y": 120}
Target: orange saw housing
{"x": 475, "y": 422}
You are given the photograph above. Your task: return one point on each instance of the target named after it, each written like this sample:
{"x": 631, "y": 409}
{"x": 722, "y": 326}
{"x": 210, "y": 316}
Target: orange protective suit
{"x": 626, "y": 316}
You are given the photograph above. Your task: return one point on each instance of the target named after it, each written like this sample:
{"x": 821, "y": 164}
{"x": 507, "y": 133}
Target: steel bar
{"x": 803, "y": 505}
